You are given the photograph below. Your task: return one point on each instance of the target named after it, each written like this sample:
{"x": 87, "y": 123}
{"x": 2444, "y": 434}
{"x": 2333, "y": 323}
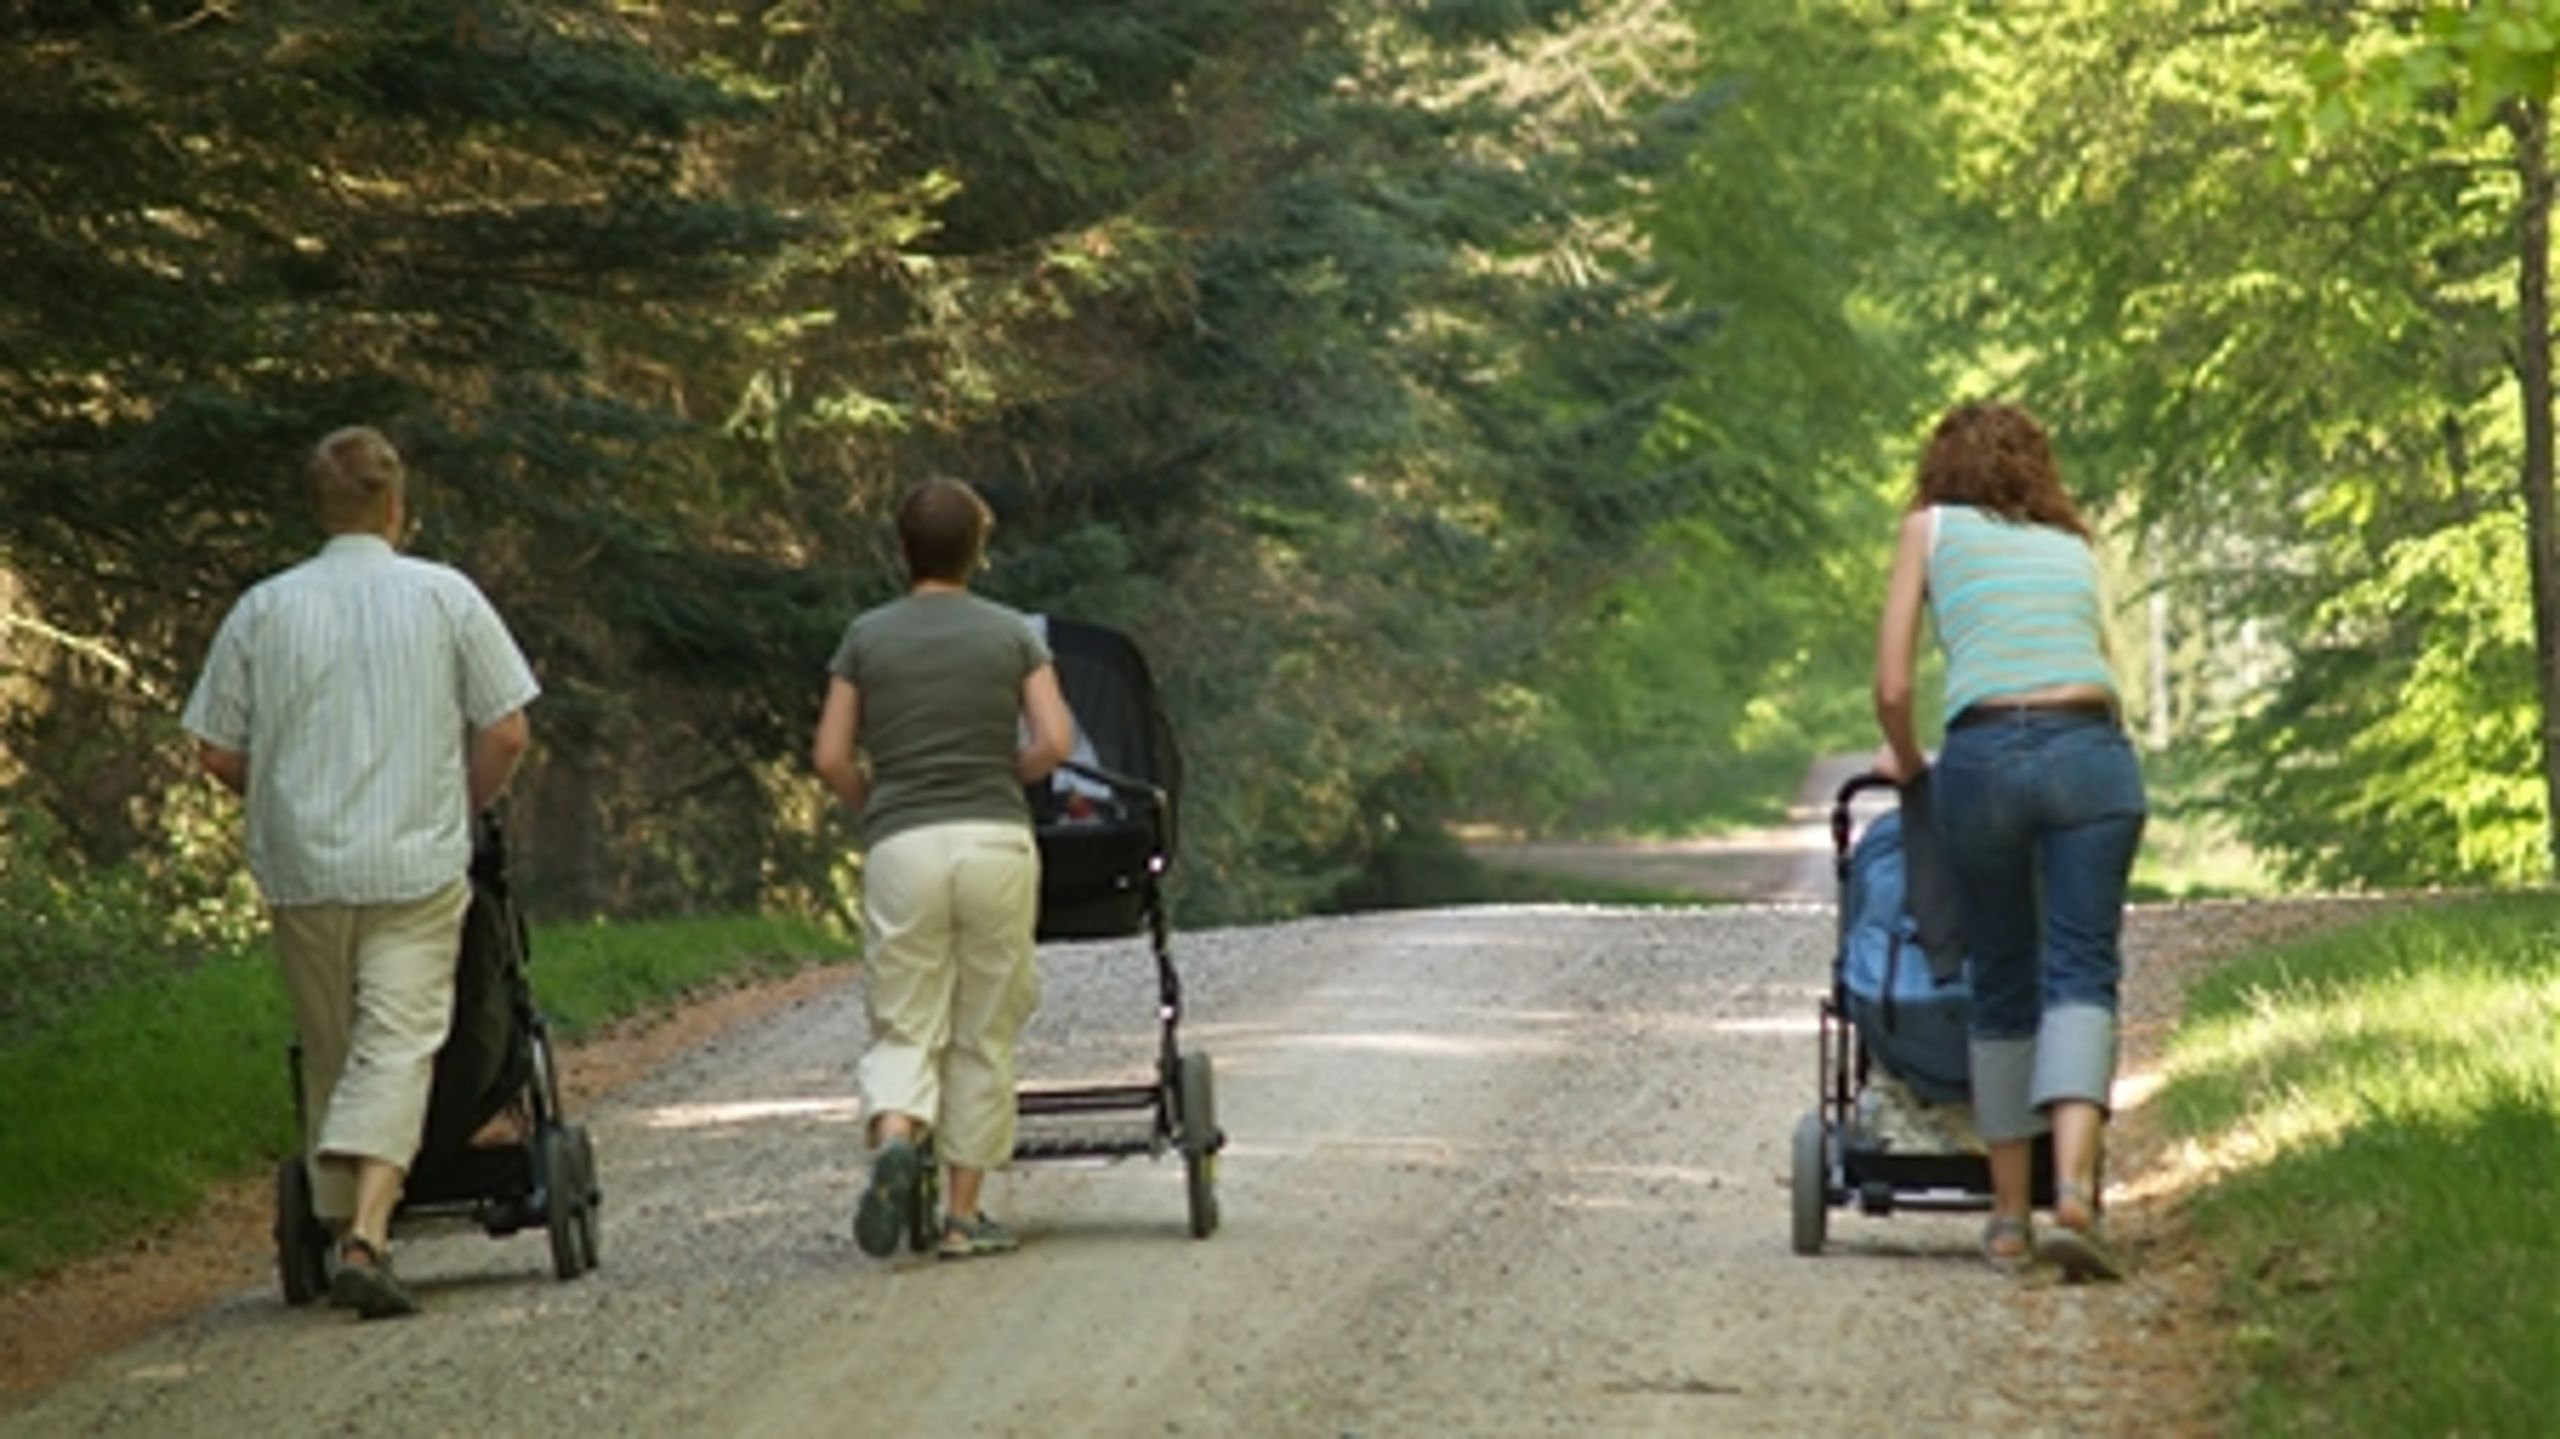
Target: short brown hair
{"x": 942, "y": 529}
{"x": 354, "y": 476}
{"x": 1995, "y": 457}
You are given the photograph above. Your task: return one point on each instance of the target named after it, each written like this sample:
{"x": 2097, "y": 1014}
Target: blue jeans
{"x": 2040, "y": 814}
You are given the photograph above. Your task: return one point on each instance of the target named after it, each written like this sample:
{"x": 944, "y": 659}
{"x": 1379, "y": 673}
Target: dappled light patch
{"x": 2366, "y": 1128}
{"x": 1431, "y": 1046}
{"x": 728, "y": 1113}
{"x": 1790, "y": 1026}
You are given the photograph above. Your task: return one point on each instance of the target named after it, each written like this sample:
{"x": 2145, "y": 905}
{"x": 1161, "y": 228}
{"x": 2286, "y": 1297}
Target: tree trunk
{"x": 2529, "y": 121}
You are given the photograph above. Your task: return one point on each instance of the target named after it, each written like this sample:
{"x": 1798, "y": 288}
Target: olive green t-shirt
{"x": 940, "y": 677}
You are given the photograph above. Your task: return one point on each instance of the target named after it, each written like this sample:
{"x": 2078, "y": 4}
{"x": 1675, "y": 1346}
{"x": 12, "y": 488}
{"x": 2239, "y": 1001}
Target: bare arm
{"x": 495, "y": 752}
{"x": 1898, "y": 650}
{"x": 229, "y": 767}
{"x": 1053, "y": 729}
{"x": 831, "y": 753}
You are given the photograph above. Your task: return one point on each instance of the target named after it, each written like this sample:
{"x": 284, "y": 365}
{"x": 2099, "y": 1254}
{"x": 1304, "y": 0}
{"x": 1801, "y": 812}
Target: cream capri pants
{"x": 372, "y": 993}
{"x": 947, "y": 917}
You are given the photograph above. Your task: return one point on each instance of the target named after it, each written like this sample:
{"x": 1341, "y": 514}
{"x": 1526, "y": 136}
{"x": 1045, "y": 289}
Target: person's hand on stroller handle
{"x": 1888, "y": 765}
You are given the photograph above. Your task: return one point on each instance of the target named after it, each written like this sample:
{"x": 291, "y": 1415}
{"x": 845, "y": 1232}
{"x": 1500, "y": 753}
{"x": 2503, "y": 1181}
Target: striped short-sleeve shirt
{"x": 353, "y": 681}
{"x": 2016, "y": 607}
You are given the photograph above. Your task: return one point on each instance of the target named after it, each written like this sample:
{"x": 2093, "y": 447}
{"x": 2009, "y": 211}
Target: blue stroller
{"x": 1893, "y": 1127}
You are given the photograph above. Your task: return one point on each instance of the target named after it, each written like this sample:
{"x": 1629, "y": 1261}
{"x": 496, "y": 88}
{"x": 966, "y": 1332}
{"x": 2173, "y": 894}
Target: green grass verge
{"x": 2383, "y": 1109}
{"x": 593, "y": 974}
{"x": 122, "y": 1115}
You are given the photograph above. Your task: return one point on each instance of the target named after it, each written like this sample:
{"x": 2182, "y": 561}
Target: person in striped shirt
{"x": 2038, "y": 799}
{"x": 365, "y": 705}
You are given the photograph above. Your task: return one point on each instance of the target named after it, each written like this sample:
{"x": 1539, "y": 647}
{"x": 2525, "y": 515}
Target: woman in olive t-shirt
{"x": 937, "y": 690}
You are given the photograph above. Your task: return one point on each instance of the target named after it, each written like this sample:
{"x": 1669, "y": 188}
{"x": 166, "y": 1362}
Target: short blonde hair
{"x": 355, "y": 474}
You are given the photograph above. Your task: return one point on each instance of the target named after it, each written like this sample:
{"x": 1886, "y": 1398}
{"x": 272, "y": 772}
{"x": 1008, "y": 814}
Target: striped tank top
{"x": 2016, "y": 606}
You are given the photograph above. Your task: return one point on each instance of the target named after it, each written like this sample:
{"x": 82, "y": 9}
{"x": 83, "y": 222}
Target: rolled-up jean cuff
{"x": 2002, "y": 1069}
{"x": 2075, "y": 1055}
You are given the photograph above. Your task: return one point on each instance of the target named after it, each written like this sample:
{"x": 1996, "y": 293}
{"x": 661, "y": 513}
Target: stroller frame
{"x": 546, "y": 1178}
{"x": 1831, "y": 1166}
{"x": 1181, "y": 1104}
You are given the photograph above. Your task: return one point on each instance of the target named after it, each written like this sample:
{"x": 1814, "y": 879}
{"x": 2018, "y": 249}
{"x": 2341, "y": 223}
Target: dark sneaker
{"x": 880, "y": 1220}
{"x": 364, "y": 1283}
{"x": 969, "y": 1238}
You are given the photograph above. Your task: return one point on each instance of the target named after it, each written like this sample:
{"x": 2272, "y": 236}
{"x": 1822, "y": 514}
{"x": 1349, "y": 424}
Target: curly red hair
{"x": 1995, "y": 457}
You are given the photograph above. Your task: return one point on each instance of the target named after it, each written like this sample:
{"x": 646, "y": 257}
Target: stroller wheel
{"x": 302, "y": 1243}
{"x": 584, "y": 1199}
{"x": 590, "y": 1201}
{"x": 562, "y": 1204}
{"x": 1197, "y": 1094}
{"x": 1811, "y": 1183}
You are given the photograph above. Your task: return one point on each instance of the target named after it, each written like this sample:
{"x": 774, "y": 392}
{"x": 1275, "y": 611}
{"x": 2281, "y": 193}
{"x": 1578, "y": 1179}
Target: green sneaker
{"x": 880, "y": 1220}
{"x": 976, "y": 1235}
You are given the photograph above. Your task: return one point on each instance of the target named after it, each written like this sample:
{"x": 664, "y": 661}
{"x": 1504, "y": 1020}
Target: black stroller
{"x": 1893, "y": 1126}
{"x": 496, "y": 1058}
{"x": 1106, "y": 827}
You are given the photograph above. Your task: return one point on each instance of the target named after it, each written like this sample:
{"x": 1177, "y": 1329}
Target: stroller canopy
{"x": 1120, "y": 722}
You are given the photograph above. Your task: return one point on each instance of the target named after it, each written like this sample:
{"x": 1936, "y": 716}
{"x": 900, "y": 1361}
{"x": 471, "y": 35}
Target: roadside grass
{"x": 2376, "y": 1115}
{"x": 122, "y": 1115}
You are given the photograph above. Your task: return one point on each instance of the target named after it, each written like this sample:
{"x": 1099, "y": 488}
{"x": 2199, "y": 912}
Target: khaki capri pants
{"x": 947, "y": 914}
{"x": 372, "y": 993}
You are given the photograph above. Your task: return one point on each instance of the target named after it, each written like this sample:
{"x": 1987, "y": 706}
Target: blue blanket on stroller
{"x": 1911, "y": 1011}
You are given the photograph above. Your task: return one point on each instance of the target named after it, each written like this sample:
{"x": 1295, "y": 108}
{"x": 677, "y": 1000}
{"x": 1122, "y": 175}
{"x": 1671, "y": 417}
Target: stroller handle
{"x": 1159, "y": 799}
{"x": 1854, "y": 786}
{"x": 1113, "y": 778}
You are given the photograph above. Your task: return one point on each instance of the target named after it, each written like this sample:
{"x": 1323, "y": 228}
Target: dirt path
{"x": 1492, "y": 1171}
{"x": 1788, "y": 862}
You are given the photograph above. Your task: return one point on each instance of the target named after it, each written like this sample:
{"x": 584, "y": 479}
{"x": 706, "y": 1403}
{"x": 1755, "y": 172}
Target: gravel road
{"x": 1491, "y": 1172}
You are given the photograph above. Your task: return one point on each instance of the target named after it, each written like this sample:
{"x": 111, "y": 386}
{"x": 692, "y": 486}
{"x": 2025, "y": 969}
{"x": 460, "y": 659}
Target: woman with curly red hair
{"x": 2038, "y": 799}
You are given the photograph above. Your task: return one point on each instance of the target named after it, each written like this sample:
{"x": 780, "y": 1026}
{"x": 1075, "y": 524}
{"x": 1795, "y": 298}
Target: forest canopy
{"x": 1482, "y": 410}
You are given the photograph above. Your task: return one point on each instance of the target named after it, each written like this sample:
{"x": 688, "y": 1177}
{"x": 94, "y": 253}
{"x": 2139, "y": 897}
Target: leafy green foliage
{"x": 1489, "y": 410}
{"x": 2284, "y": 339}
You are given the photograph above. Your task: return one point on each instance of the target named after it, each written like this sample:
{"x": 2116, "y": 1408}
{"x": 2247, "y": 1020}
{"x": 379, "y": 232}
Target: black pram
{"x": 497, "y": 1057}
{"x": 1106, "y": 824}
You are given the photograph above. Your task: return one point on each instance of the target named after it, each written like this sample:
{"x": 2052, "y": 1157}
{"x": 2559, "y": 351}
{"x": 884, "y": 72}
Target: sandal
{"x": 976, "y": 1235}
{"x": 880, "y": 1220}
{"x": 2008, "y": 1243}
{"x": 364, "y": 1283}
{"x": 2079, "y": 1250}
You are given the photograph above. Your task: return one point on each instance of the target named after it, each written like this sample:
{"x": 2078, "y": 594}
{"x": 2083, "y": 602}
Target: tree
{"x": 2297, "y": 361}
{"x": 1807, "y": 222}
{"x": 2497, "y": 63}
{"x": 237, "y": 230}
